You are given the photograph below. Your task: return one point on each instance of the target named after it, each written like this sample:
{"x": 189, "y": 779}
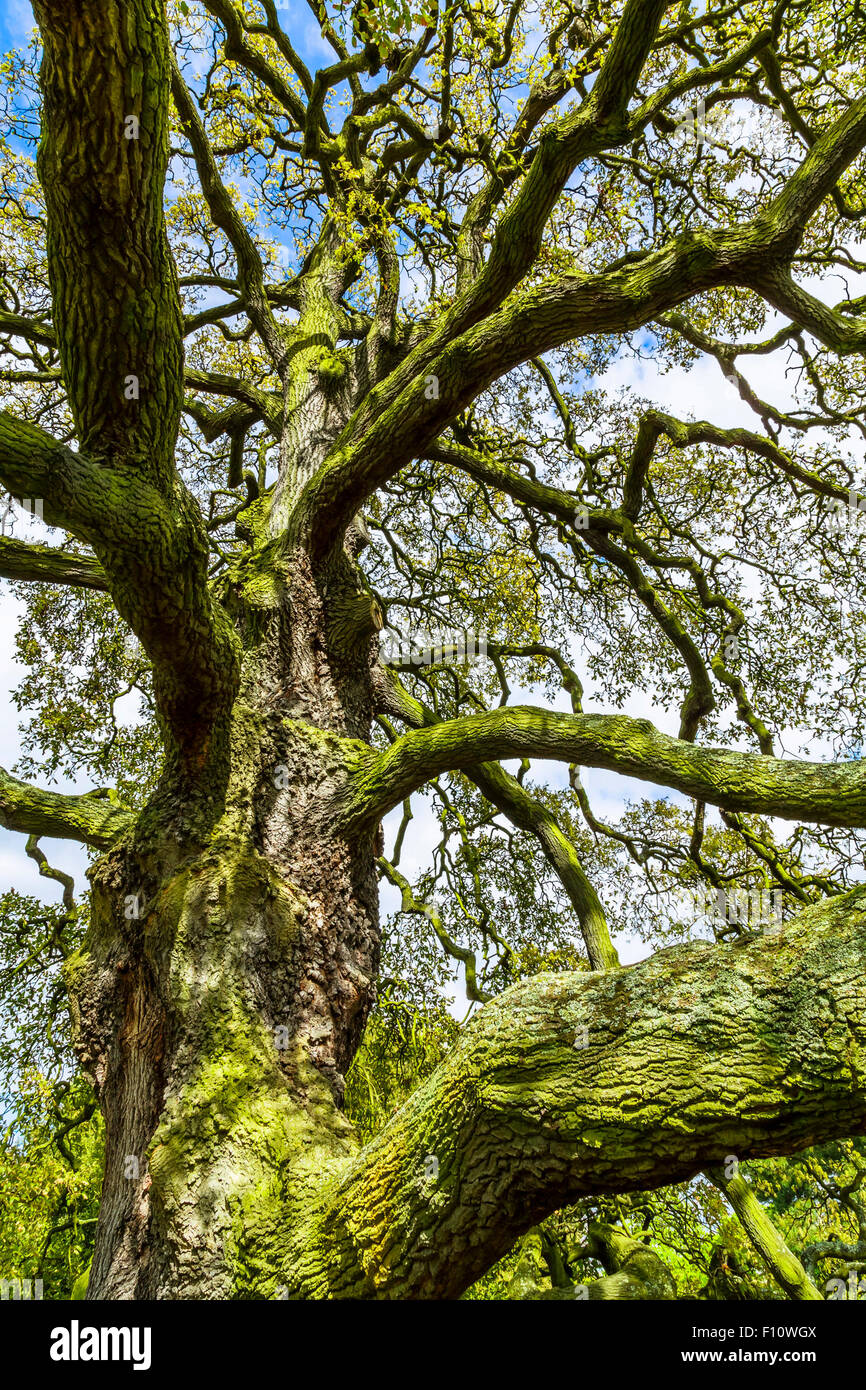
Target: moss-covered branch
{"x": 43, "y": 564}
{"x": 505, "y": 793}
{"x": 95, "y": 819}
{"x": 754, "y": 1049}
{"x": 782, "y": 1263}
{"x": 401, "y": 418}
{"x": 632, "y": 1270}
{"x": 31, "y": 330}
{"x": 103, "y": 157}
{"x": 154, "y": 553}
{"x": 827, "y": 793}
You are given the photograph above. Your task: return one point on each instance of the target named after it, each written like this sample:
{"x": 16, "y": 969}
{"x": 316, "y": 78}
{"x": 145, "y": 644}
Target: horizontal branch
{"x": 266, "y": 405}
{"x": 44, "y": 564}
{"x": 32, "y": 330}
{"x": 523, "y": 810}
{"x": 827, "y": 793}
{"x": 573, "y": 1085}
{"x": 852, "y": 1253}
{"x": 93, "y": 819}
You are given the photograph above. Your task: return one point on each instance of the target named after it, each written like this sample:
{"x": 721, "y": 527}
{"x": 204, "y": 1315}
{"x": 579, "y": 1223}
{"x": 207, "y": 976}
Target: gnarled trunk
{"x": 230, "y": 966}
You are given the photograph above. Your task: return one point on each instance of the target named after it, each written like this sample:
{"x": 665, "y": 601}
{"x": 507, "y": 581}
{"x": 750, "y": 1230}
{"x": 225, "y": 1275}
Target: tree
{"x": 257, "y": 316}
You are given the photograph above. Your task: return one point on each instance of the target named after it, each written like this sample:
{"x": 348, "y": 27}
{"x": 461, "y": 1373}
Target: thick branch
{"x": 505, "y": 793}
{"x": 94, "y": 819}
{"x": 102, "y": 162}
{"x": 827, "y": 793}
{"x": 633, "y": 1270}
{"x": 853, "y": 1253}
{"x": 154, "y": 553}
{"x": 756, "y": 1048}
{"x": 43, "y": 564}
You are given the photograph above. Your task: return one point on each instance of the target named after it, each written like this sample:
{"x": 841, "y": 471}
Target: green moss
{"x": 331, "y": 367}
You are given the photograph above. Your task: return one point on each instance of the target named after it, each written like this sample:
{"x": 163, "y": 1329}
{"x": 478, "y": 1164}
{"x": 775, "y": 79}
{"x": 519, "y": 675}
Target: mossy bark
{"x": 753, "y": 1049}
{"x": 230, "y": 967}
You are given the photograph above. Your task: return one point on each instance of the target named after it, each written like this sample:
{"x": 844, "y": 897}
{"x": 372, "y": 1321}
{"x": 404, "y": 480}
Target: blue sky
{"x": 16, "y": 20}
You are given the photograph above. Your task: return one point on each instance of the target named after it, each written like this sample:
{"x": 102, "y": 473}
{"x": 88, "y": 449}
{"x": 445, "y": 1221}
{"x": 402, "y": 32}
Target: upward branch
{"x": 103, "y": 158}
{"x": 226, "y": 217}
{"x": 102, "y": 164}
{"x": 400, "y": 419}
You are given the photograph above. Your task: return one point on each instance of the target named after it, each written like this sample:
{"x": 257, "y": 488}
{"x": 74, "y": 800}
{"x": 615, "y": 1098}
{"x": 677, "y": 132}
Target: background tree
{"x": 303, "y": 368}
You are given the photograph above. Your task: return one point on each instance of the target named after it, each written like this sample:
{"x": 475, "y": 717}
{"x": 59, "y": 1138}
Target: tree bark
{"x": 753, "y": 1049}
{"x": 782, "y": 1263}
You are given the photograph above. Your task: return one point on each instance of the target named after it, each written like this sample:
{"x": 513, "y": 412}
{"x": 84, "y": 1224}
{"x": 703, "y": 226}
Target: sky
{"x": 703, "y": 387}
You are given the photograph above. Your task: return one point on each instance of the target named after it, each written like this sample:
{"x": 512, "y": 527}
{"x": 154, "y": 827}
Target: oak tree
{"x": 303, "y": 344}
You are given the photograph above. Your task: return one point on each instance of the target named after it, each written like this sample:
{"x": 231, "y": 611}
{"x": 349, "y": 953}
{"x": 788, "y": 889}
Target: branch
{"x": 781, "y": 1262}
{"x": 265, "y": 405}
{"x": 827, "y": 793}
{"x": 94, "y": 819}
{"x": 102, "y": 164}
{"x": 757, "y": 1049}
{"x": 505, "y": 793}
{"x": 409, "y": 903}
{"x": 154, "y": 552}
{"x": 400, "y": 419}
{"x": 66, "y": 881}
{"x": 598, "y": 124}
{"x": 632, "y": 1270}
{"x": 33, "y": 330}
{"x": 853, "y": 1252}
{"x": 44, "y": 564}
{"x": 250, "y": 271}
{"x": 75, "y": 492}
{"x": 844, "y": 333}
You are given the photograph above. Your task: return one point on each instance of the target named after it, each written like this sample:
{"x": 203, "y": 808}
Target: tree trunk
{"x": 229, "y": 969}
